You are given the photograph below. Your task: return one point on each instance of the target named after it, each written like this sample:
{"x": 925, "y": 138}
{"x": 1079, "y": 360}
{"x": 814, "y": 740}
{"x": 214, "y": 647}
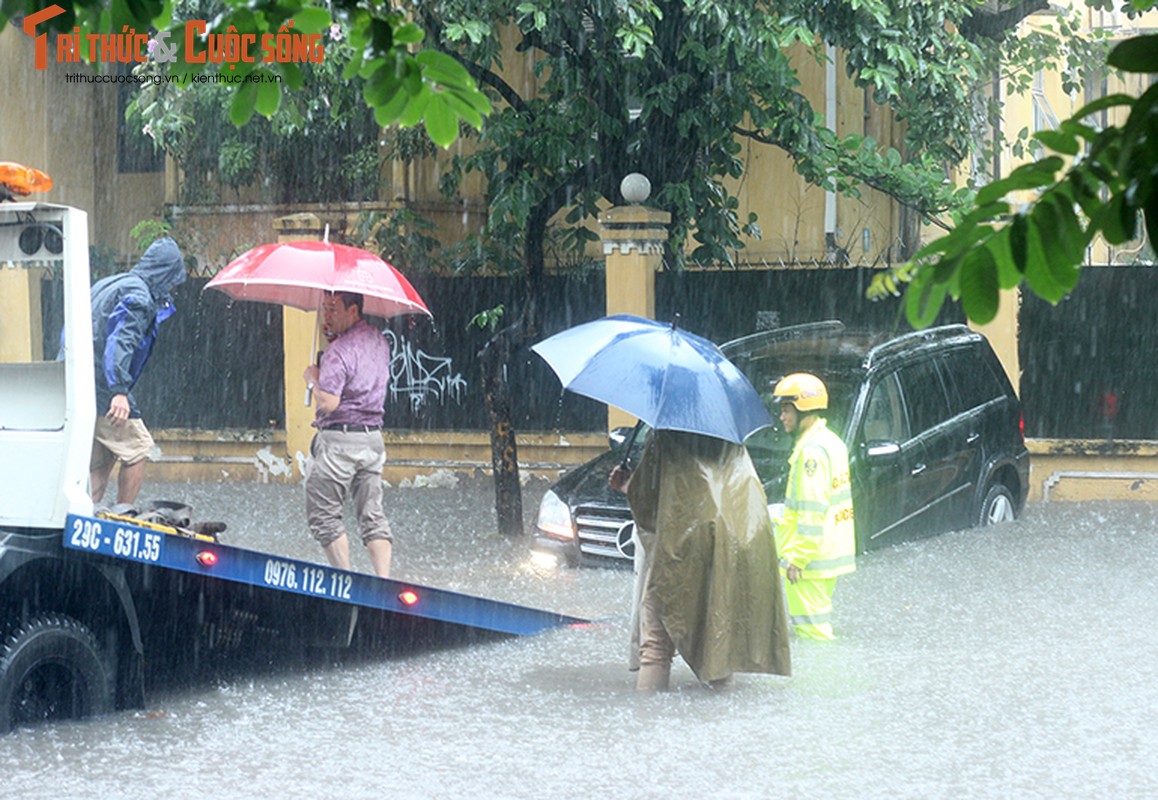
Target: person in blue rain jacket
{"x": 127, "y": 312}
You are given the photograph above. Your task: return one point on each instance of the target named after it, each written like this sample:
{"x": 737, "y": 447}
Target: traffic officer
{"x": 815, "y": 539}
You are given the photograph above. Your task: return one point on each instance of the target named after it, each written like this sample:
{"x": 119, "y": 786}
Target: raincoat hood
{"x": 162, "y": 267}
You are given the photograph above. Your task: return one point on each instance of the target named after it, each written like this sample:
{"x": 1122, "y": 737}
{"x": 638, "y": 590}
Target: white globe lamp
{"x": 635, "y": 188}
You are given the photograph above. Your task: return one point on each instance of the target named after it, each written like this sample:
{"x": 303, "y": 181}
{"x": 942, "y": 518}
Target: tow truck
{"x": 95, "y": 606}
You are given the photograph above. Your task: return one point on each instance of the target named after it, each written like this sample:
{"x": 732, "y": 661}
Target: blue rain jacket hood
{"x": 127, "y": 311}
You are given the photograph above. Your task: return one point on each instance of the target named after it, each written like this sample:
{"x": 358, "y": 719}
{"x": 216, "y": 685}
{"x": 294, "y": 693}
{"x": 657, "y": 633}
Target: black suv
{"x": 933, "y": 427}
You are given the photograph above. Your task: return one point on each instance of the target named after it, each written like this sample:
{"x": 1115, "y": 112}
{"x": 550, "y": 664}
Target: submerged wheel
{"x": 997, "y": 506}
{"x": 51, "y": 668}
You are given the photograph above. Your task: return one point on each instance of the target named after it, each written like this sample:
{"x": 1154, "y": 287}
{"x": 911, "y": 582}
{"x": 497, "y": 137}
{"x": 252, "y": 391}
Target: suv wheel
{"x": 51, "y": 668}
{"x": 997, "y": 506}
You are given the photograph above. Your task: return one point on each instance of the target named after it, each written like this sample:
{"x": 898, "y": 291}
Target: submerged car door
{"x": 974, "y": 390}
{"x": 937, "y": 486}
{"x": 883, "y": 454}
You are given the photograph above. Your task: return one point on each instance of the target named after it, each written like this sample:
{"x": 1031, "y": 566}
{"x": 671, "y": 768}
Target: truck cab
{"x": 69, "y": 644}
{"x": 47, "y": 410}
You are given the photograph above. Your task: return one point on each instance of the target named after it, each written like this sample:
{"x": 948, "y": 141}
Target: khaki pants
{"x": 127, "y": 443}
{"x": 655, "y": 647}
{"x": 346, "y": 463}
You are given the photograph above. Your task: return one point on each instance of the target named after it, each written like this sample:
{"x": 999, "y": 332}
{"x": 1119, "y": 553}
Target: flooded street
{"x": 1015, "y": 662}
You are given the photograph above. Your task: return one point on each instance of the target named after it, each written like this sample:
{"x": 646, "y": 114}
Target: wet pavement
{"x": 1010, "y": 662}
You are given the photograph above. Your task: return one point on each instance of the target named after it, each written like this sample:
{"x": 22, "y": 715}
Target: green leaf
{"x": 381, "y": 35}
{"x": 1151, "y": 216}
{"x": 1008, "y": 275}
{"x": 1053, "y": 228}
{"x": 386, "y": 113}
{"x": 1059, "y": 142}
{"x": 444, "y": 70}
{"x": 1086, "y": 196}
{"x": 1019, "y": 241}
{"x": 985, "y": 213}
{"x": 979, "y": 286}
{"x": 243, "y": 105}
{"x": 1137, "y": 54}
{"x": 462, "y": 108}
{"x": 1074, "y": 238}
{"x": 311, "y": 19}
{"x": 293, "y": 76}
{"x": 353, "y": 67}
{"x": 1078, "y": 129}
{"x": 1037, "y": 271}
{"x": 923, "y": 299}
{"x": 1119, "y": 220}
{"x": 1028, "y": 176}
{"x": 441, "y": 123}
{"x": 412, "y": 78}
{"x": 945, "y": 270}
{"x": 408, "y": 33}
{"x": 381, "y": 87}
{"x": 477, "y": 100}
{"x": 268, "y": 99}
{"x": 415, "y": 109}
{"x": 1102, "y": 103}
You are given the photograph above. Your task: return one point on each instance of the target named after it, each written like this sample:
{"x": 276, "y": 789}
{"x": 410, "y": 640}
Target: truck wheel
{"x": 997, "y": 506}
{"x": 51, "y": 668}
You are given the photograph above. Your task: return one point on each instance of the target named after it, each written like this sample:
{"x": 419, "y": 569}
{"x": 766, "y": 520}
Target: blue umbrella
{"x": 669, "y": 378}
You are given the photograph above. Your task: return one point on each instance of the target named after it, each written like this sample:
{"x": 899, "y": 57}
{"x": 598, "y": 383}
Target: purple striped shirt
{"x": 356, "y": 368}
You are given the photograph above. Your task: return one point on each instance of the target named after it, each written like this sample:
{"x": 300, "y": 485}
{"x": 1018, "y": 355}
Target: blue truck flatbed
{"x": 120, "y": 538}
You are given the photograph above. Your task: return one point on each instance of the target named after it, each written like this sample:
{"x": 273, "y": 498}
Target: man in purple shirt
{"x": 347, "y": 453}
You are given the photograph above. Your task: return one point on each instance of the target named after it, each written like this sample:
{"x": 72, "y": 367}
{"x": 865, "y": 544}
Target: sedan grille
{"x": 605, "y": 531}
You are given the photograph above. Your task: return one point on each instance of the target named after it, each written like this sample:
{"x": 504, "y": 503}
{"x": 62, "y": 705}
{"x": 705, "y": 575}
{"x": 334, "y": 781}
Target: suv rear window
{"x": 924, "y": 396}
{"x": 973, "y": 378}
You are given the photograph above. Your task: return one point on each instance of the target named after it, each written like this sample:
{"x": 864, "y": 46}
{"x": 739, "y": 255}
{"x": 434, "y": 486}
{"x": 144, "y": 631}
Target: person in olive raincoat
{"x": 711, "y": 590}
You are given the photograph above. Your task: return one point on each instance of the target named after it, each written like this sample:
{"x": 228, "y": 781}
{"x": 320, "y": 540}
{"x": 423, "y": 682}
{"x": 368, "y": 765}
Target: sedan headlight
{"x": 555, "y": 517}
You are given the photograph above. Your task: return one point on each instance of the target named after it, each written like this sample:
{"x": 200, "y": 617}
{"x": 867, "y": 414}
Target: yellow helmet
{"x": 806, "y": 392}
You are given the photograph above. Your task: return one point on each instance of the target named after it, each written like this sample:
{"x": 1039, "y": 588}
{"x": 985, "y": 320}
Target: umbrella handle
{"x": 314, "y": 346}
{"x": 627, "y": 447}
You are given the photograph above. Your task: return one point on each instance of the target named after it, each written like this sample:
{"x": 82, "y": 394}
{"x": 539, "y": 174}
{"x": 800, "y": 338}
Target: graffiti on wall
{"x": 419, "y": 378}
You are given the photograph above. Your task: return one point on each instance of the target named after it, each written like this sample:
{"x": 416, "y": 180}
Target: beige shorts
{"x": 128, "y": 443}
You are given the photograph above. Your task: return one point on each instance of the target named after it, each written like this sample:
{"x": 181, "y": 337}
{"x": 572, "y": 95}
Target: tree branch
{"x": 998, "y": 25}
{"x": 871, "y": 181}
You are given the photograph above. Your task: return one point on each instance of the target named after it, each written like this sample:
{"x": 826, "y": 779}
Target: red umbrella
{"x": 296, "y": 273}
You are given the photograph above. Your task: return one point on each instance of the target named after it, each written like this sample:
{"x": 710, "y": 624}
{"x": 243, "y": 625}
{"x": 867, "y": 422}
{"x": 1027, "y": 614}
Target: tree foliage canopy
{"x": 670, "y": 88}
{"x": 673, "y": 88}
{"x": 1094, "y": 181}
{"x": 676, "y": 88}
{"x": 402, "y": 87}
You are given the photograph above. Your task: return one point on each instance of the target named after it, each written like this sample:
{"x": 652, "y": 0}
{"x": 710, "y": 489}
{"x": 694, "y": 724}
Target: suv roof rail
{"x": 807, "y": 330}
{"x": 906, "y": 341}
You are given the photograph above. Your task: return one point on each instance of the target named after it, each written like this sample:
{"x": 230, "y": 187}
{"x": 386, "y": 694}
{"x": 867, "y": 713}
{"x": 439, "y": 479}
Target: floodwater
{"x": 1011, "y": 662}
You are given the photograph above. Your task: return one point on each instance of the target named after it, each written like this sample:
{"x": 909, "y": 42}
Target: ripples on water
{"x": 1011, "y": 662}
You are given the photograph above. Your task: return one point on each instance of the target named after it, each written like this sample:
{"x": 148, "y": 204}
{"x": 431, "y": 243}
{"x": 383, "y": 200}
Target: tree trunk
{"x": 494, "y": 357}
